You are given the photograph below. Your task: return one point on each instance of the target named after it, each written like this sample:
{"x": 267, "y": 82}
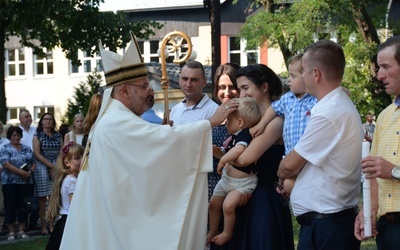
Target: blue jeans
{"x": 329, "y": 233}
{"x": 388, "y": 237}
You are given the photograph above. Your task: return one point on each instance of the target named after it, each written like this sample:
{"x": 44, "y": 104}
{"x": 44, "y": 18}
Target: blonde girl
{"x": 65, "y": 177}
{"x": 76, "y": 133}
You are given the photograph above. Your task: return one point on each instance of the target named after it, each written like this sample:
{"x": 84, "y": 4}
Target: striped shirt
{"x": 386, "y": 144}
{"x": 181, "y": 114}
{"x": 297, "y": 113}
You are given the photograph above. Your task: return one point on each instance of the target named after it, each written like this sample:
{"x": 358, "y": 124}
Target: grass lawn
{"x": 39, "y": 243}
{"x": 35, "y": 243}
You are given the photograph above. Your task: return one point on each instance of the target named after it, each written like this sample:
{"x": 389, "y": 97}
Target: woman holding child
{"x": 265, "y": 221}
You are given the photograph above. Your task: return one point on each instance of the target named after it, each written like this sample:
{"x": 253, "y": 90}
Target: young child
{"x": 76, "y": 133}
{"x": 67, "y": 169}
{"x": 235, "y": 181}
{"x": 295, "y": 106}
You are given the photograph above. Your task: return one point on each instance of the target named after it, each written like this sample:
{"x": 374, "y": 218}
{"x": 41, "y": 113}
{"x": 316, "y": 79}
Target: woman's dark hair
{"x": 63, "y": 129}
{"x": 228, "y": 69}
{"x": 40, "y": 125}
{"x": 260, "y": 74}
{"x": 13, "y": 129}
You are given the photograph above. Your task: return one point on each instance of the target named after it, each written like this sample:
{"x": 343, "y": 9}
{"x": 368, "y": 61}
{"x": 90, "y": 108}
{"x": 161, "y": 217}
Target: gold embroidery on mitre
{"x": 127, "y": 73}
{"x": 120, "y": 68}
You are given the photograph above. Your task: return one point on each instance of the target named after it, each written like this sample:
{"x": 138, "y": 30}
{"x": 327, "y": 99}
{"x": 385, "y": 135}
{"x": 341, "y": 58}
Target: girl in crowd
{"x": 65, "y": 177}
{"x": 76, "y": 133}
{"x": 46, "y": 145}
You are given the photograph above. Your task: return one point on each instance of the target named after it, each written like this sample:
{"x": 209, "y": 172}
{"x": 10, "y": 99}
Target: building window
{"x": 15, "y": 62}
{"x": 44, "y": 65}
{"x": 88, "y": 63}
{"x": 239, "y": 55}
{"x": 13, "y": 113}
{"x": 149, "y": 51}
{"x": 40, "y": 110}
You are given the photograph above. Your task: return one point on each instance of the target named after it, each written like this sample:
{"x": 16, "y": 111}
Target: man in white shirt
{"x": 196, "y": 106}
{"x": 326, "y": 160}
{"x": 25, "y": 120}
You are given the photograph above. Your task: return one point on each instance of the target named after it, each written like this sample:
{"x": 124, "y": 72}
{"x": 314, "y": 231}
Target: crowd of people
{"x": 226, "y": 173}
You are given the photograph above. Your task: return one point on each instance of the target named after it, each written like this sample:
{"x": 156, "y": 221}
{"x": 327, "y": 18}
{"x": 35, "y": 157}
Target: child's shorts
{"x": 227, "y": 184}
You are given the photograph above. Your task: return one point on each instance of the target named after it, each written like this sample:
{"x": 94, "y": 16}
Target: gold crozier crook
{"x": 174, "y": 42}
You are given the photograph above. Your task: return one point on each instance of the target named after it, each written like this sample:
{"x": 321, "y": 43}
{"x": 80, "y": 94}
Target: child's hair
{"x": 68, "y": 152}
{"x": 73, "y": 129}
{"x": 296, "y": 58}
{"x": 93, "y": 112}
{"x": 248, "y": 110}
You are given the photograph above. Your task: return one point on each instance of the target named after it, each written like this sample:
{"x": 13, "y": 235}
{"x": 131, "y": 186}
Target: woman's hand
{"x": 244, "y": 199}
{"x": 222, "y": 112}
{"x": 25, "y": 174}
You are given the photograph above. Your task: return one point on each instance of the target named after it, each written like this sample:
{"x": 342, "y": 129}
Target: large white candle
{"x": 366, "y": 194}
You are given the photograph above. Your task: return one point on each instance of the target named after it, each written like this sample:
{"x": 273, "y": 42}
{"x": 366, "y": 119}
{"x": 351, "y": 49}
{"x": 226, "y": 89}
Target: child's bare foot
{"x": 210, "y": 236}
{"x": 222, "y": 238}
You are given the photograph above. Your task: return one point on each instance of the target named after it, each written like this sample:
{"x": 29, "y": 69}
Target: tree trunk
{"x": 269, "y": 6}
{"x": 3, "y": 99}
{"x": 367, "y": 30}
{"x": 215, "y": 19}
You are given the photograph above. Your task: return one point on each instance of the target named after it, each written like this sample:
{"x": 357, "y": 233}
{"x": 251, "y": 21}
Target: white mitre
{"x": 118, "y": 68}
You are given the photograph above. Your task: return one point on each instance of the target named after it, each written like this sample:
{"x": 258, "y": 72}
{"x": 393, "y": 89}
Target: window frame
{"x": 38, "y": 111}
{"x": 84, "y": 57}
{"x": 242, "y": 52}
{"x": 46, "y": 61}
{"x": 17, "y": 63}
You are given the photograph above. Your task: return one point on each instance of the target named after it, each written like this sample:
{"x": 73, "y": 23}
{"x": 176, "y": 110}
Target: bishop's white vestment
{"x": 145, "y": 186}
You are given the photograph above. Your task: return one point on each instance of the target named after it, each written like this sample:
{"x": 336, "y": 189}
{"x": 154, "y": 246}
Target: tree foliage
{"x": 82, "y": 95}
{"x": 68, "y": 24}
{"x": 352, "y": 23}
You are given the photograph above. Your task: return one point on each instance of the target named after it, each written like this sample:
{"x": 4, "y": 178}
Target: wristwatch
{"x": 396, "y": 173}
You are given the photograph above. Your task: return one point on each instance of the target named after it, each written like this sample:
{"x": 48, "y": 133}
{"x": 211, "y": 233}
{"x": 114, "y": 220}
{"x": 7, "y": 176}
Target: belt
{"x": 393, "y": 218}
{"x": 307, "y": 217}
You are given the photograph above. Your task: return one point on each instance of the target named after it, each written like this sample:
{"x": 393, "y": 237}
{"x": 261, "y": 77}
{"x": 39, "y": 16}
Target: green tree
{"x": 353, "y": 23}
{"x": 81, "y": 98}
{"x": 70, "y": 25}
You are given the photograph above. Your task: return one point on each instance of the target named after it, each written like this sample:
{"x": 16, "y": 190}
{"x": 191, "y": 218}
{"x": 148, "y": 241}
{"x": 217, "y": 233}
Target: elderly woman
{"x": 265, "y": 221}
{"x": 47, "y": 143}
{"x": 17, "y": 183}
